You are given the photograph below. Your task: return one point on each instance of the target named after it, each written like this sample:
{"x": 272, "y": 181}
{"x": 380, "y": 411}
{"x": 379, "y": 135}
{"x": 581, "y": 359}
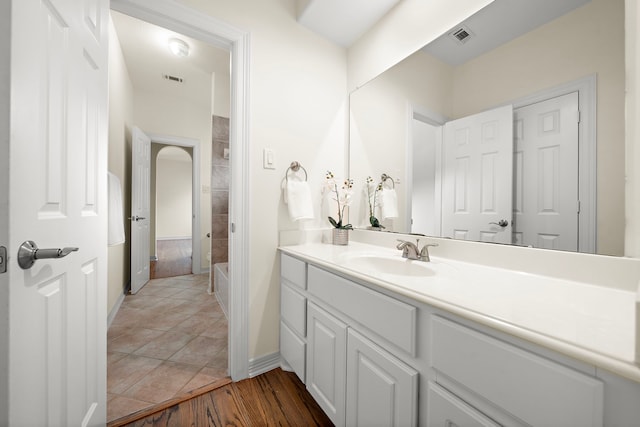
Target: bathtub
{"x": 221, "y": 285}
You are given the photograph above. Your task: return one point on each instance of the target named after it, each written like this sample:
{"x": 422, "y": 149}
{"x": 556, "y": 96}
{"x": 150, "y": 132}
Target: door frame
{"x": 587, "y": 155}
{"x": 194, "y": 144}
{"x": 424, "y": 115}
{"x": 187, "y": 21}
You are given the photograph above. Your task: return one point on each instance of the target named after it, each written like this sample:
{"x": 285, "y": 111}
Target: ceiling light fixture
{"x": 179, "y": 47}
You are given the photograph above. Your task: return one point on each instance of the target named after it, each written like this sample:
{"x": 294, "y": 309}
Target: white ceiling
{"x": 342, "y": 21}
{"x": 148, "y": 58}
{"x": 498, "y": 23}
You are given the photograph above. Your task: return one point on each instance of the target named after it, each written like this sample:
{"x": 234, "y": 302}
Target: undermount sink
{"x": 390, "y": 265}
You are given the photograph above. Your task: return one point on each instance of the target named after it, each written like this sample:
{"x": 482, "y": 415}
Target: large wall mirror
{"x": 509, "y": 128}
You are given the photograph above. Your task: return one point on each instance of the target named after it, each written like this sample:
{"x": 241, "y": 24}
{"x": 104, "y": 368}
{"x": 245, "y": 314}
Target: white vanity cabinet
{"x": 356, "y": 381}
{"x": 372, "y": 357}
{"x": 326, "y": 362}
{"x": 517, "y": 385}
{"x": 293, "y": 314}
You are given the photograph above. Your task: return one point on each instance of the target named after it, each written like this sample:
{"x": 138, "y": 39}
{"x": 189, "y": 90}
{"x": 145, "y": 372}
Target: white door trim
{"x": 424, "y": 115}
{"x": 192, "y": 23}
{"x": 587, "y": 155}
{"x": 194, "y": 144}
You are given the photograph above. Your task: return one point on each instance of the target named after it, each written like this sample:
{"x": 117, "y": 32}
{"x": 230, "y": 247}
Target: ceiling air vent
{"x": 461, "y": 34}
{"x": 172, "y": 78}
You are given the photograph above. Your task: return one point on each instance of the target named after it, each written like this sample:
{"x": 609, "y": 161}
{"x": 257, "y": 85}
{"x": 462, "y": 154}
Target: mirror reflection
{"x": 514, "y": 134}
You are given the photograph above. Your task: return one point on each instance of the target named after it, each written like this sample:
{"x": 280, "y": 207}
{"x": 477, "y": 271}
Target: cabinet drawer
{"x": 293, "y": 270}
{"x": 293, "y": 350}
{"x": 293, "y": 309}
{"x": 446, "y": 409}
{"x": 391, "y": 319}
{"x": 532, "y": 388}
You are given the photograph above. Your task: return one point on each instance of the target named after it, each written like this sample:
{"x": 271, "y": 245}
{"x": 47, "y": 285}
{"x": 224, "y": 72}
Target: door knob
{"x": 502, "y": 223}
{"x": 136, "y": 218}
{"x": 29, "y": 253}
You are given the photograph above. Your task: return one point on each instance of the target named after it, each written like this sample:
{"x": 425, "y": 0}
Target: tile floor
{"x": 169, "y": 338}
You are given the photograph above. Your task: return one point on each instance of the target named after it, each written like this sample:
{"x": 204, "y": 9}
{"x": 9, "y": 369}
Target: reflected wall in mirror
{"x": 403, "y": 125}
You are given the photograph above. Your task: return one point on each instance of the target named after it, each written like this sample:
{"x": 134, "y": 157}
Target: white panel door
{"x": 327, "y": 362}
{"x": 477, "y": 177}
{"x": 546, "y": 196}
{"x": 381, "y": 390}
{"x": 140, "y": 208}
{"x": 57, "y": 198}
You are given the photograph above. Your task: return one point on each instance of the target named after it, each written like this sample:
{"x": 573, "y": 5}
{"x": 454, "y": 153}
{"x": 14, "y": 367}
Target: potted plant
{"x": 371, "y": 187}
{"x": 342, "y": 196}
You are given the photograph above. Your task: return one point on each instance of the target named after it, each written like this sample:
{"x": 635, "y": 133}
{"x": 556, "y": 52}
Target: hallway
{"x": 168, "y": 339}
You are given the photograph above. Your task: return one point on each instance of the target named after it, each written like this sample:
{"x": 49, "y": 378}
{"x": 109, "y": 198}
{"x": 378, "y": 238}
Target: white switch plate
{"x": 268, "y": 158}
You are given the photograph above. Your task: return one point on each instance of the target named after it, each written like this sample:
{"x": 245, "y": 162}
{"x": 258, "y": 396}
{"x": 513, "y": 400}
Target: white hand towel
{"x": 297, "y": 196}
{"x": 388, "y": 203}
{"x": 116, "y": 212}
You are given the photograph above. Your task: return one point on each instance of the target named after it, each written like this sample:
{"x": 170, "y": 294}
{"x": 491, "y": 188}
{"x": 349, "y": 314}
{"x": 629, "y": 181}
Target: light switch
{"x": 268, "y": 159}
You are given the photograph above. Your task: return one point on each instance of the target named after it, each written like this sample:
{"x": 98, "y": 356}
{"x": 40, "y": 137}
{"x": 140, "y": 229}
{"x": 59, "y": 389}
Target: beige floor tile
{"x": 196, "y": 324}
{"x": 171, "y": 318}
{"x": 127, "y": 371}
{"x": 136, "y": 338}
{"x": 206, "y": 376}
{"x": 165, "y": 345}
{"x": 163, "y": 382}
{"x": 121, "y": 406}
{"x": 160, "y": 291}
{"x": 198, "y": 352}
{"x": 192, "y": 294}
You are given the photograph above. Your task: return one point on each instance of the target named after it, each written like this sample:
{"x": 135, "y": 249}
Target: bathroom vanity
{"x": 381, "y": 340}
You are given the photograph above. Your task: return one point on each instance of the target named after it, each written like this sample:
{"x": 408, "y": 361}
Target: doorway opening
{"x": 171, "y": 211}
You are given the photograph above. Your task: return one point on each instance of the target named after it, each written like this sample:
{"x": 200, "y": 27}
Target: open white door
{"x": 57, "y": 199}
{"x": 546, "y": 205}
{"x": 140, "y": 208}
{"x": 477, "y": 177}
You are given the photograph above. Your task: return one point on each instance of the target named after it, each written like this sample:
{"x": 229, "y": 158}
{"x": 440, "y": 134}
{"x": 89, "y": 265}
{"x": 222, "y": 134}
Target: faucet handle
{"x": 424, "y": 252}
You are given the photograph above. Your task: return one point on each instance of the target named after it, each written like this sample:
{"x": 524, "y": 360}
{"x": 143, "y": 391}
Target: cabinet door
{"x": 446, "y": 410}
{"x": 326, "y": 362}
{"x": 381, "y": 390}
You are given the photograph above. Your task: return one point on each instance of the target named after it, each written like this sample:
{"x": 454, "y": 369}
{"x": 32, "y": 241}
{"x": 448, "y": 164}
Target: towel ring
{"x": 386, "y": 177}
{"x": 295, "y": 167}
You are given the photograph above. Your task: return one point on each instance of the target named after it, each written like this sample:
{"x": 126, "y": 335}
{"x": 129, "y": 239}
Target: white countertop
{"x": 592, "y": 323}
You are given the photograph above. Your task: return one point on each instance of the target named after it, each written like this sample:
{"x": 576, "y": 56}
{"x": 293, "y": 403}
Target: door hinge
{"x": 578, "y": 116}
{"x": 3, "y": 259}
{"x": 233, "y": 227}
{"x": 578, "y": 206}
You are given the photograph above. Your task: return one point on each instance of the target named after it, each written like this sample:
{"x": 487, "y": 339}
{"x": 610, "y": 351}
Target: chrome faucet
{"x": 412, "y": 251}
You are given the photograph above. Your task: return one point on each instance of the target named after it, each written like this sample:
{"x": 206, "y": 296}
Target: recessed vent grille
{"x": 172, "y": 78}
{"x": 461, "y": 34}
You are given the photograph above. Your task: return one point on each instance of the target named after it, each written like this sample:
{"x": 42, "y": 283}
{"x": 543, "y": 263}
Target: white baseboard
{"x": 174, "y": 238}
{"x": 263, "y": 364}
{"x": 114, "y": 310}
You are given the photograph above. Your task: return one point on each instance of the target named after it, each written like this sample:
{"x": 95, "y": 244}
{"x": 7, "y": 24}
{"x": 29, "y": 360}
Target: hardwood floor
{"x": 174, "y": 258}
{"x": 276, "y": 398}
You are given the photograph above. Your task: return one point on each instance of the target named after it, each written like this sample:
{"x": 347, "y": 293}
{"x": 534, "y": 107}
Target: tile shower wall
{"x": 219, "y": 191}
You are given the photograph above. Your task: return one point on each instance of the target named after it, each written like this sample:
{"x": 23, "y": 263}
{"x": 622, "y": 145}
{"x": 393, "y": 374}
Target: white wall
{"x": 173, "y": 195}
{"x": 380, "y": 125}
{"x": 120, "y": 125}
{"x": 298, "y": 108}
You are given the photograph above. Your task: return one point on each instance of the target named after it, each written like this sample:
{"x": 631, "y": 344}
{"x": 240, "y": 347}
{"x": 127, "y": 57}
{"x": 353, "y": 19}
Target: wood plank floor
{"x": 174, "y": 258}
{"x": 276, "y": 398}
